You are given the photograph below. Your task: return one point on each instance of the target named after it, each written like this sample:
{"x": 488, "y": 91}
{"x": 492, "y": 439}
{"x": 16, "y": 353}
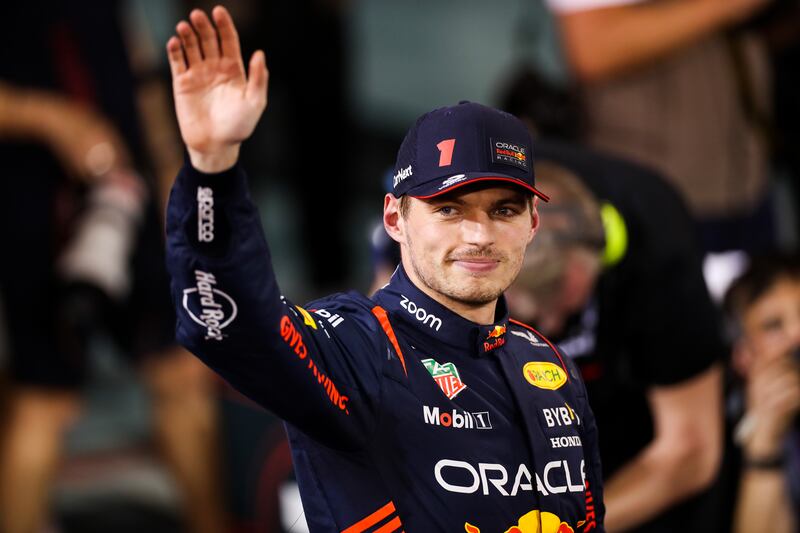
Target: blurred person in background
{"x": 764, "y": 308}
{"x": 681, "y": 86}
{"x": 616, "y": 281}
{"x": 619, "y": 275}
{"x": 83, "y": 254}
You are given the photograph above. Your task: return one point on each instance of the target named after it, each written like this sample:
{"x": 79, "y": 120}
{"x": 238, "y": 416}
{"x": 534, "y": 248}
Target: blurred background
{"x": 106, "y": 425}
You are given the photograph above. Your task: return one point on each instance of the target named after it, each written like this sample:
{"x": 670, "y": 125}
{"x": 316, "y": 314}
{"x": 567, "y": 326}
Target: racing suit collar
{"x": 426, "y": 316}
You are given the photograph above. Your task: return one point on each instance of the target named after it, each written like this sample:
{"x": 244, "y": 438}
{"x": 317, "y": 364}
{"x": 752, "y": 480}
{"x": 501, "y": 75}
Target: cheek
{"x": 772, "y": 345}
{"x": 426, "y": 241}
{"x": 517, "y": 245}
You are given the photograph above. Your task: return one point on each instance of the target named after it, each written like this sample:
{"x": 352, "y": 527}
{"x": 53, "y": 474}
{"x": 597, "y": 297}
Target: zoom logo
{"x": 420, "y": 314}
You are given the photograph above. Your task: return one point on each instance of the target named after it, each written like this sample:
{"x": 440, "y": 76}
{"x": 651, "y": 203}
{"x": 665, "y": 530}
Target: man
{"x": 614, "y": 276}
{"x": 764, "y": 305}
{"x": 413, "y": 410}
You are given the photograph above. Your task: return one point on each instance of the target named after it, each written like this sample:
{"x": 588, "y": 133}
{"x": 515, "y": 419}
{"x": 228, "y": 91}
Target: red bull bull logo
{"x": 532, "y": 522}
{"x": 495, "y": 338}
{"x": 497, "y": 332}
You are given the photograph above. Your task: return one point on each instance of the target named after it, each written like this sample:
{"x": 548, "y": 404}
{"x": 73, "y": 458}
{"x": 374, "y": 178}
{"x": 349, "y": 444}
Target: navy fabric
{"x": 432, "y": 423}
{"x": 452, "y": 146}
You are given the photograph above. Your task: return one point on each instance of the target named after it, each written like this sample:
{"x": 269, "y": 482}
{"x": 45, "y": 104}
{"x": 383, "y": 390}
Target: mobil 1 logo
{"x": 456, "y": 418}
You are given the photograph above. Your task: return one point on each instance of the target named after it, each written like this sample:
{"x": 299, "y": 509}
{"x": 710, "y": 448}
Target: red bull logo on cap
{"x": 533, "y": 522}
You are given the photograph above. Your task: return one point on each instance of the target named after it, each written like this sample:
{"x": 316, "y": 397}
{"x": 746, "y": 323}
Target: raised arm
{"x": 217, "y": 106}
{"x": 317, "y": 375}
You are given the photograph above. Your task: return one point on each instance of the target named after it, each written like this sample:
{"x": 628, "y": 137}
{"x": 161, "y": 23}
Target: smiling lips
{"x": 477, "y": 265}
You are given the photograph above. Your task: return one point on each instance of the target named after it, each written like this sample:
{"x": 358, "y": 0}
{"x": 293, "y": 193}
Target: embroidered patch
{"x": 544, "y": 375}
{"x": 510, "y": 153}
{"x": 446, "y": 376}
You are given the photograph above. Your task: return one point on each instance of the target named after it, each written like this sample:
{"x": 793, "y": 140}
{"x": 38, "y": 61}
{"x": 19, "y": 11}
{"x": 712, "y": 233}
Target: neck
{"x": 479, "y": 313}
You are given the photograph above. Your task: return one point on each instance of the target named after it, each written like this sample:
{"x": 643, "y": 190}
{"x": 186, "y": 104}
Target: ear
{"x": 534, "y": 219}
{"x": 392, "y": 220}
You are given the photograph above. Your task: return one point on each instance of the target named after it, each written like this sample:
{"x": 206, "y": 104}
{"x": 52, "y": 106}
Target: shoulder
{"x": 522, "y": 336}
{"x": 349, "y": 312}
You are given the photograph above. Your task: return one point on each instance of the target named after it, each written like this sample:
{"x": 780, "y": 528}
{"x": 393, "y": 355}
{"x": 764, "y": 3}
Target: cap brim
{"x": 429, "y": 190}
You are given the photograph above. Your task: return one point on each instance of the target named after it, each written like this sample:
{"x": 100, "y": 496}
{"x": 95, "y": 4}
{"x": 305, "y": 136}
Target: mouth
{"x": 477, "y": 265}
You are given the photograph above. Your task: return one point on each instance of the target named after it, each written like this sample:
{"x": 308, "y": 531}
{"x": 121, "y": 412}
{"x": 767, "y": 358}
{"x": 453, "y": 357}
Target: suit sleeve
{"x": 320, "y": 375}
{"x": 595, "y": 508}
{"x": 593, "y": 472}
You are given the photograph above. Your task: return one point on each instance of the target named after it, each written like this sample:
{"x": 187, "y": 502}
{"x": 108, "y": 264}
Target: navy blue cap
{"x": 454, "y": 146}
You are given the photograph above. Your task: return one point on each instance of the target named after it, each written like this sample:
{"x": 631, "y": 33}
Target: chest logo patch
{"x": 534, "y": 522}
{"x": 544, "y": 375}
{"x": 495, "y": 338}
{"x": 446, "y": 376}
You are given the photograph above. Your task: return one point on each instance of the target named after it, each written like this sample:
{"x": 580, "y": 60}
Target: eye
{"x": 772, "y": 325}
{"x": 446, "y": 210}
{"x": 506, "y": 212}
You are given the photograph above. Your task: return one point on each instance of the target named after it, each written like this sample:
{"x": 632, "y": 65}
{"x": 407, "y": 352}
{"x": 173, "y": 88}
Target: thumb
{"x": 257, "y": 79}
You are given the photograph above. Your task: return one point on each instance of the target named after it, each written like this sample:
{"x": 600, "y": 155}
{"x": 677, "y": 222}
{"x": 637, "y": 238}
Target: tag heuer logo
{"x": 446, "y": 376}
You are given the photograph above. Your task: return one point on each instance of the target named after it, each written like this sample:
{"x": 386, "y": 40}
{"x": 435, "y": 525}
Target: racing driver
{"x": 424, "y": 408}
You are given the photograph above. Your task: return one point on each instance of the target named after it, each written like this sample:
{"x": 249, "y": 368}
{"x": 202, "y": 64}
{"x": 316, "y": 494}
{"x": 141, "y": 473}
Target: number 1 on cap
{"x": 446, "y": 152}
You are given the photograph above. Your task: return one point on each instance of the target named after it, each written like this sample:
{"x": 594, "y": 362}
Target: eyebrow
{"x": 513, "y": 198}
{"x": 516, "y": 198}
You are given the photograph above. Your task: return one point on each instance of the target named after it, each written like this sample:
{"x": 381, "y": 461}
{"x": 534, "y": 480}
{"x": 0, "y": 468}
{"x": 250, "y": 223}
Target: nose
{"x": 477, "y": 231}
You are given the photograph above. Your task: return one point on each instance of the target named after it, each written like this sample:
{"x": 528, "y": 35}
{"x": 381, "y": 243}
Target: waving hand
{"x": 217, "y": 104}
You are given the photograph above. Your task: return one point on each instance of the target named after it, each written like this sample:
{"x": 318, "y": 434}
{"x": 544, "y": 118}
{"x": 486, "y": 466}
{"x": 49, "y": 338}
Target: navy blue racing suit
{"x": 402, "y": 415}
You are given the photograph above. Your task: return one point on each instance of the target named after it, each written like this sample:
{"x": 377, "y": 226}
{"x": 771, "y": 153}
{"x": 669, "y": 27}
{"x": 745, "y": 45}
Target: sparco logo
{"x": 208, "y": 306}
{"x": 205, "y": 214}
{"x": 402, "y": 174}
{"x": 456, "y": 419}
{"x": 420, "y": 314}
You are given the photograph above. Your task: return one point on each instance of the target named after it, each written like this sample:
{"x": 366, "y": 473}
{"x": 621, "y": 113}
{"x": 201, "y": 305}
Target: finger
{"x": 191, "y": 47}
{"x": 177, "y": 63}
{"x": 783, "y": 404}
{"x": 208, "y": 36}
{"x": 257, "y": 79}
{"x": 228, "y": 37}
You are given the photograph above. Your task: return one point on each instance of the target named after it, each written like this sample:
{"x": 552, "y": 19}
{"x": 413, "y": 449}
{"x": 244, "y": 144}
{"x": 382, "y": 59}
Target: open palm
{"x": 217, "y": 105}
